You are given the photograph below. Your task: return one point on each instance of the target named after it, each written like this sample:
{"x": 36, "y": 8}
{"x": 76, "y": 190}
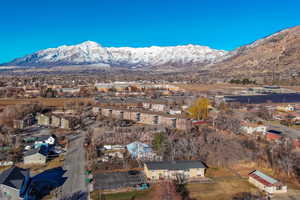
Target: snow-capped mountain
{"x": 93, "y": 53}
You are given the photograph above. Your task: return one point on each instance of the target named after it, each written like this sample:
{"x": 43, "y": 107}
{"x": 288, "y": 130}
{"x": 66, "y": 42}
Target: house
{"x": 55, "y": 121}
{"x": 286, "y": 108}
{"x": 175, "y": 111}
{"x": 70, "y": 90}
{"x": 148, "y": 117}
{"x": 11, "y": 181}
{"x": 36, "y": 156}
{"x": 139, "y": 150}
{"x": 157, "y": 107}
{"x": 28, "y": 120}
{"x": 266, "y": 183}
{"x": 273, "y": 135}
{"x": 146, "y": 105}
{"x": 96, "y": 110}
{"x": 251, "y": 128}
{"x": 114, "y": 147}
{"x": 69, "y": 122}
{"x": 18, "y": 124}
{"x": 45, "y": 139}
{"x": 43, "y": 119}
{"x": 190, "y": 169}
{"x": 29, "y": 93}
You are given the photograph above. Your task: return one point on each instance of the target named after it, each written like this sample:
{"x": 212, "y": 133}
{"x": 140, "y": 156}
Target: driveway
{"x": 290, "y": 195}
{"x": 75, "y": 186}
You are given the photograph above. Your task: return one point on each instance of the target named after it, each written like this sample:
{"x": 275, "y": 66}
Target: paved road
{"x": 75, "y": 186}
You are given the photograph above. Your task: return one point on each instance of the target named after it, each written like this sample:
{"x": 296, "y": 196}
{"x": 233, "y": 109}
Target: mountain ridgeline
{"x": 276, "y": 56}
{"x": 92, "y": 53}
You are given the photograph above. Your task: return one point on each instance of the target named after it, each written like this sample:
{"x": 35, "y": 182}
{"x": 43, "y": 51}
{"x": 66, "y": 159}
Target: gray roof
{"x": 13, "y": 177}
{"x": 175, "y": 165}
{"x": 43, "y": 137}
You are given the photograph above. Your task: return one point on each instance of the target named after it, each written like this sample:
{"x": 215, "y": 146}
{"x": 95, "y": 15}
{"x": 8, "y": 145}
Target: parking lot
{"x": 117, "y": 180}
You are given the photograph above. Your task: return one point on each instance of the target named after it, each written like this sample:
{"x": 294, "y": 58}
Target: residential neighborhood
{"x": 150, "y": 100}
{"x": 131, "y": 144}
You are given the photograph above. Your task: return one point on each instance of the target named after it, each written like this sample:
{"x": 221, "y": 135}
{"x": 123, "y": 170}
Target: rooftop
{"x": 264, "y": 179}
{"x": 13, "y": 177}
{"x": 175, "y": 165}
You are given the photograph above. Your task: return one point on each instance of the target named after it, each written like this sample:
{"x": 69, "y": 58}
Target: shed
{"x": 266, "y": 183}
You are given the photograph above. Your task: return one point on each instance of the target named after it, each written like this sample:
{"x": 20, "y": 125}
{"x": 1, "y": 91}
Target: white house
{"x": 250, "y": 128}
{"x": 266, "y": 183}
{"x": 47, "y": 139}
{"x": 288, "y": 108}
{"x": 175, "y": 112}
{"x": 158, "y": 107}
{"x": 35, "y": 156}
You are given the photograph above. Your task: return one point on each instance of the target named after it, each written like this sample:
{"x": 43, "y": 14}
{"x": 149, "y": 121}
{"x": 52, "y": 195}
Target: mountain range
{"x": 92, "y": 53}
{"x": 278, "y": 54}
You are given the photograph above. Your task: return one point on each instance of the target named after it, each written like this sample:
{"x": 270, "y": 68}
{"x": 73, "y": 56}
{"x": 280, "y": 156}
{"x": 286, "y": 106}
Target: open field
{"x": 222, "y": 189}
{"x": 226, "y": 183}
{"x": 55, "y": 102}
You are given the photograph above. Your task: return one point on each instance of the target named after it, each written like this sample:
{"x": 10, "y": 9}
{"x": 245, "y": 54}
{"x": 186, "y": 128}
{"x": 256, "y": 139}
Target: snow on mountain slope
{"x": 92, "y": 53}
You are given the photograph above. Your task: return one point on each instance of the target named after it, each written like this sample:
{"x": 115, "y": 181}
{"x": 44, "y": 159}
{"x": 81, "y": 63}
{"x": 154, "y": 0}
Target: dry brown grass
{"x": 2, "y": 168}
{"x": 56, "y": 102}
{"x": 215, "y": 172}
{"x": 223, "y": 189}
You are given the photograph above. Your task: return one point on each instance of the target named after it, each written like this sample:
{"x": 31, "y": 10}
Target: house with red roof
{"x": 266, "y": 183}
{"x": 273, "y": 135}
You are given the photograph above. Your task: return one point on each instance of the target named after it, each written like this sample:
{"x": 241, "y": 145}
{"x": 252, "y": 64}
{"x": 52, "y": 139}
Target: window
{"x": 173, "y": 123}
{"x": 279, "y": 188}
{"x": 155, "y": 119}
{"x": 138, "y": 117}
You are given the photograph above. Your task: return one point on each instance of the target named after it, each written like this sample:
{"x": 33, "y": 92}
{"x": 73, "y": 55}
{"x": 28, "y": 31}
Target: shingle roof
{"x": 175, "y": 165}
{"x": 13, "y": 177}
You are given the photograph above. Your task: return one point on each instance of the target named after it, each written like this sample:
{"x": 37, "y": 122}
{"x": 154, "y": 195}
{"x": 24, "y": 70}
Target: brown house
{"x": 150, "y": 118}
{"x": 69, "y": 122}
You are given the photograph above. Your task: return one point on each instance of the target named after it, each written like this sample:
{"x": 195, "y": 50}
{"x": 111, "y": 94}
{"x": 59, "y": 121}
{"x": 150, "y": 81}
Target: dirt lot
{"x": 56, "y": 102}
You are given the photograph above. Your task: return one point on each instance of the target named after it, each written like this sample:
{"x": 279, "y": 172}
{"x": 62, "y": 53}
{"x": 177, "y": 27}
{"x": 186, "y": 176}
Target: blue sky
{"x": 30, "y": 25}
